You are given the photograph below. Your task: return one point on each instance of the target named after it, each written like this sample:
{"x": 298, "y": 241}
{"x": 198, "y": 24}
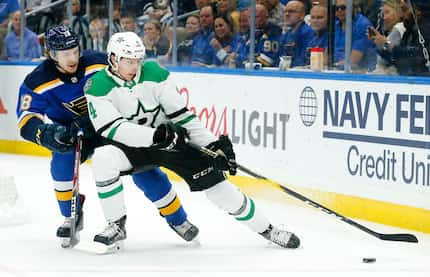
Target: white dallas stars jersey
{"x": 129, "y": 112}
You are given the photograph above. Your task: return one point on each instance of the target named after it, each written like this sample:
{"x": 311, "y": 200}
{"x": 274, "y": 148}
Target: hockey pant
{"x": 110, "y": 161}
{"x": 154, "y": 183}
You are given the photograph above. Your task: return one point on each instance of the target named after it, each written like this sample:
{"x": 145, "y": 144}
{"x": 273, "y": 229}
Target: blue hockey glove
{"x": 168, "y": 135}
{"x": 55, "y": 137}
{"x": 83, "y": 123}
{"x": 226, "y": 159}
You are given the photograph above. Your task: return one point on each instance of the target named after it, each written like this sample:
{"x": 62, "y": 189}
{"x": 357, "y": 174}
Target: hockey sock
{"x": 157, "y": 188}
{"x": 232, "y": 200}
{"x": 111, "y": 197}
{"x": 63, "y": 193}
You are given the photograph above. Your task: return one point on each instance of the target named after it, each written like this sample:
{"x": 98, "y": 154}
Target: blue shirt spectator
{"x": 360, "y": 43}
{"x": 224, "y": 42}
{"x": 295, "y": 41}
{"x": 12, "y": 42}
{"x": 201, "y": 50}
{"x": 32, "y": 48}
{"x": 267, "y": 39}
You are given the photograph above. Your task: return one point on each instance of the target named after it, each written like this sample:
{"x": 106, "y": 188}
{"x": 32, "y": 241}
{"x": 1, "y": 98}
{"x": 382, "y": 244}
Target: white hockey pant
{"x": 232, "y": 200}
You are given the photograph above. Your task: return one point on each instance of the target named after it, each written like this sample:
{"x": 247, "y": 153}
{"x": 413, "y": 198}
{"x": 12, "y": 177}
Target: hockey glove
{"x": 226, "y": 159}
{"x": 55, "y": 137}
{"x": 83, "y": 123}
{"x": 168, "y": 135}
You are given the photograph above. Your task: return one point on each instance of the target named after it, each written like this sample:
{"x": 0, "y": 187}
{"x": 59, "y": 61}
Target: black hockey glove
{"x": 55, "y": 137}
{"x": 168, "y": 135}
{"x": 226, "y": 159}
{"x": 83, "y": 123}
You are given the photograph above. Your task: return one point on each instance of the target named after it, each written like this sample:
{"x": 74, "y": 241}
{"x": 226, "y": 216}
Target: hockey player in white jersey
{"x": 136, "y": 106}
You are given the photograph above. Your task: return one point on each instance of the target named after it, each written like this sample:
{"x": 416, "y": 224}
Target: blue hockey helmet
{"x": 60, "y": 38}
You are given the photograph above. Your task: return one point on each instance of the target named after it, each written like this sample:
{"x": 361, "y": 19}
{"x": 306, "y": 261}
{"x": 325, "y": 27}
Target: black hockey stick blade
{"x": 389, "y": 237}
{"x": 399, "y": 237}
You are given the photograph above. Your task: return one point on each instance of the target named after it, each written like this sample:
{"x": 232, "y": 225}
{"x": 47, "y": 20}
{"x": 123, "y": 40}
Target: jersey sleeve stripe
{"x": 105, "y": 127}
{"x": 48, "y": 85}
{"x": 27, "y": 117}
{"x": 185, "y": 120}
{"x": 94, "y": 68}
{"x": 177, "y": 113}
{"x": 112, "y": 131}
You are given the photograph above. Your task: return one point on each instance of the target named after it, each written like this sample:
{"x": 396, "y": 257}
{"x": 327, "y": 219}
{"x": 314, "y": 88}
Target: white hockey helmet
{"x": 125, "y": 45}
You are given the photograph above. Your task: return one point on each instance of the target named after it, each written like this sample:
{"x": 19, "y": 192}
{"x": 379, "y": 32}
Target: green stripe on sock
{"x": 185, "y": 120}
{"x": 250, "y": 214}
{"x": 111, "y": 193}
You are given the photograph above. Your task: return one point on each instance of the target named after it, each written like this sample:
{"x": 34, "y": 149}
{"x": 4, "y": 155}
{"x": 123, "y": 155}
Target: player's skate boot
{"x": 63, "y": 231}
{"x": 281, "y": 237}
{"x": 113, "y": 235}
{"x": 186, "y": 230}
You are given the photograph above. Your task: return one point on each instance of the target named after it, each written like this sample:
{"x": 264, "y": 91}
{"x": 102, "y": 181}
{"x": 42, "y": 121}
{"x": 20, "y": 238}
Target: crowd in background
{"x": 388, "y": 36}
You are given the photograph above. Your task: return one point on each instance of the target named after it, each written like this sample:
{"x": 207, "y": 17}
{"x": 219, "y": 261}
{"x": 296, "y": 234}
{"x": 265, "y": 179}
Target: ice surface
{"x": 227, "y": 248}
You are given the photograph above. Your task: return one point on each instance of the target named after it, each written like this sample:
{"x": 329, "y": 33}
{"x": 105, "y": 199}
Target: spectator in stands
{"x": 156, "y": 44}
{"x": 80, "y": 25}
{"x": 224, "y": 42}
{"x": 408, "y": 57}
{"x": 129, "y": 23}
{"x": 244, "y": 25}
{"x": 393, "y": 32}
{"x": 295, "y": 41}
{"x": 319, "y": 23}
{"x": 12, "y": 42}
{"x": 276, "y": 11}
{"x": 267, "y": 38}
{"x": 228, "y": 9}
{"x": 98, "y": 34}
{"x": 363, "y": 51}
{"x": 201, "y": 50}
{"x": 7, "y": 7}
{"x": 192, "y": 28}
{"x": 116, "y": 16}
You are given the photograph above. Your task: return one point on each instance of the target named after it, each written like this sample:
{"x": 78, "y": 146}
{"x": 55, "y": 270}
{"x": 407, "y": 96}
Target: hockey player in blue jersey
{"x": 54, "y": 90}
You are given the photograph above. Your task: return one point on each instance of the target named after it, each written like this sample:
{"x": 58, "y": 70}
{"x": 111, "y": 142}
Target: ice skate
{"x": 281, "y": 237}
{"x": 113, "y": 235}
{"x": 186, "y": 230}
{"x": 63, "y": 231}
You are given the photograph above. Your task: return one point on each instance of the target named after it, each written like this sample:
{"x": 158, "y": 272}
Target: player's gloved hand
{"x": 83, "y": 123}
{"x": 168, "y": 135}
{"x": 55, "y": 137}
{"x": 226, "y": 159}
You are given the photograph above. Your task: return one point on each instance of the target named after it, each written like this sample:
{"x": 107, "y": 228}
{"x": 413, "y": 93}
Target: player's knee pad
{"x": 226, "y": 196}
{"x": 108, "y": 161}
{"x": 154, "y": 183}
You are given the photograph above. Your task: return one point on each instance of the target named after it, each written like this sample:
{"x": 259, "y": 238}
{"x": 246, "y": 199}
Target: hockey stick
{"x": 75, "y": 191}
{"x": 390, "y": 237}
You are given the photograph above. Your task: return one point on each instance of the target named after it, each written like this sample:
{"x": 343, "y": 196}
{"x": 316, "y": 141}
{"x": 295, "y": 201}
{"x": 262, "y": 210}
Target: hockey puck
{"x": 369, "y": 260}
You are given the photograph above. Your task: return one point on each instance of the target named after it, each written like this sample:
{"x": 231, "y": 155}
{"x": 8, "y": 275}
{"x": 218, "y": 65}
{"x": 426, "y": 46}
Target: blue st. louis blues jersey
{"x": 59, "y": 97}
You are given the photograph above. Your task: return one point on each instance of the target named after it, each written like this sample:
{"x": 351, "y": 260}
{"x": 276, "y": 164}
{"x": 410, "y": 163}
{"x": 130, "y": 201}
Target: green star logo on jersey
{"x": 141, "y": 119}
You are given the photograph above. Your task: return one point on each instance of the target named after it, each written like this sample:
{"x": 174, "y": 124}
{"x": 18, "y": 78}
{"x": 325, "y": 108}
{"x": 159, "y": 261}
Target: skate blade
{"x": 70, "y": 242}
{"x": 100, "y": 248}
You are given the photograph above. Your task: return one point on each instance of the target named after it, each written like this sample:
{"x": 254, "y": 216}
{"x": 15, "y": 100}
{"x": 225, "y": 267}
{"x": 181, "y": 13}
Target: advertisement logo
{"x": 308, "y": 106}
{"x": 2, "y": 108}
